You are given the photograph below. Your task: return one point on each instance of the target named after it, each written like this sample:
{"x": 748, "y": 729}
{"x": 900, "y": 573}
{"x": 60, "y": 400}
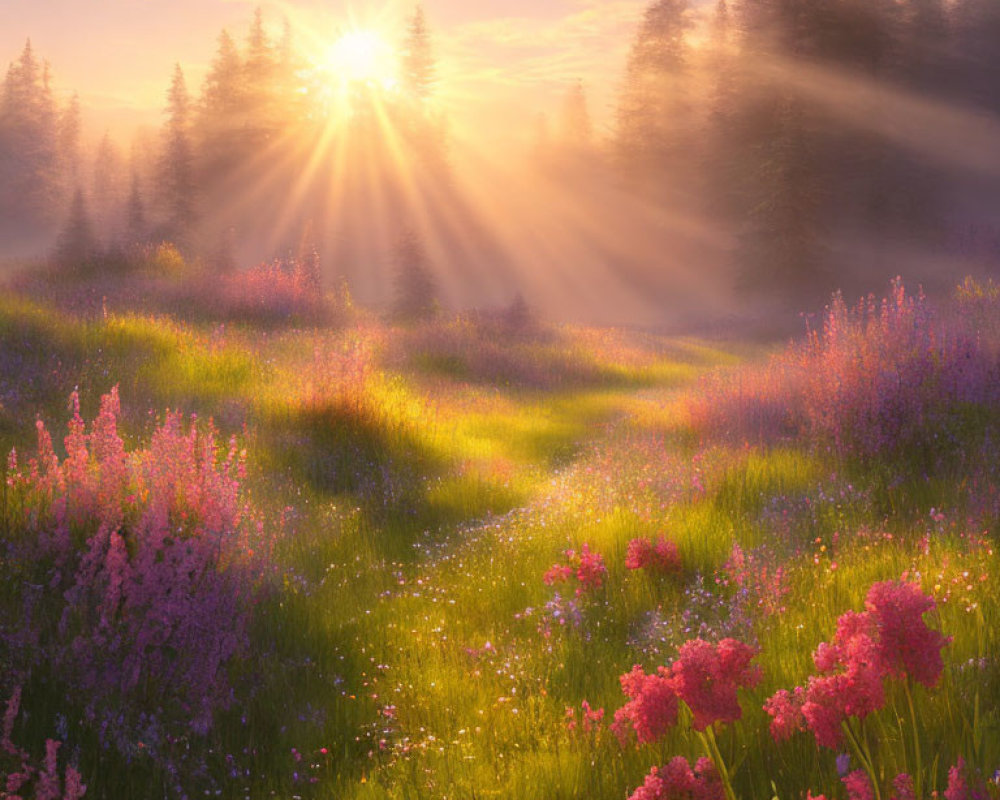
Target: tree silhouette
{"x": 418, "y": 67}
{"x": 416, "y": 291}
{"x": 177, "y": 187}
{"x": 653, "y": 114}
{"x": 77, "y": 249}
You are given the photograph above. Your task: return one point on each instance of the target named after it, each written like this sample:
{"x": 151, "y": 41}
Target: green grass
{"x": 407, "y": 632}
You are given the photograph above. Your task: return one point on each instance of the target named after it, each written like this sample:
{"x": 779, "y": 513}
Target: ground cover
{"x": 464, "y": 559}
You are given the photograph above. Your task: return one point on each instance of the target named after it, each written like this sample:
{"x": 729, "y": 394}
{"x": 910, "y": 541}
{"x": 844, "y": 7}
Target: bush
{"x": 132, "y": 580}
{"x": 891, "y": 379}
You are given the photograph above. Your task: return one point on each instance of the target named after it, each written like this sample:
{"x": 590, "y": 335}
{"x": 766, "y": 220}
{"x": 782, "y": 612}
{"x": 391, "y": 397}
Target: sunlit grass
{"x": 409, "y": 647}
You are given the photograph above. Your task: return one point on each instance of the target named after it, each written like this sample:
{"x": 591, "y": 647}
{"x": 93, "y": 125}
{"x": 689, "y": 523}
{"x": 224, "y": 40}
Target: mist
{"x": 753, "y": 160}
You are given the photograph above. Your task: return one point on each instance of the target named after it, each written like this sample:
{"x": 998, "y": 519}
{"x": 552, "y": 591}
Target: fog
{"x": 753, "y": 160}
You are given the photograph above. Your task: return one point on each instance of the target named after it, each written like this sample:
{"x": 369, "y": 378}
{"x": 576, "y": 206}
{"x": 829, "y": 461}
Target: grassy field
{"x": 360, "y": 560}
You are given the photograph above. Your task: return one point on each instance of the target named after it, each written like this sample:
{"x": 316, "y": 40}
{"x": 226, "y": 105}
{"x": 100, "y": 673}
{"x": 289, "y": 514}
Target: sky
{"x": 499, "y": 60}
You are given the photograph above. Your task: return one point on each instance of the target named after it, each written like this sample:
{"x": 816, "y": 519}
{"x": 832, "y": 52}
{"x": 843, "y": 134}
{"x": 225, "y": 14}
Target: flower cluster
{"x": 590, "y": 718}
{"x": 661, "y": 557}
{"x": 586, "y": 567}
{"x": 136, "y": 576}
{"x": 705, "y": 676}
{"x": 676, "y": 780}
{"x": 960, "y": 786}
{"x": 23, "y": 773}
{"x": 890, "y": 639}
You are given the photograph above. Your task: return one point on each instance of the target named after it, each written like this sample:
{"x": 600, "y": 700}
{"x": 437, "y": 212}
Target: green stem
{"x": 715, "y": 755}
{"x": 918, "y": 777}
{"x": 855, "y": 741}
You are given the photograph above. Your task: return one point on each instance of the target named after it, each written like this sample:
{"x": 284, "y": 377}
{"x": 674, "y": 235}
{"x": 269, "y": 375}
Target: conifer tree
{"x": 653, "y": 107}
{"x": 418, "y": 66}
{"x": 29, "y": 166}
{"x": 177, "y": 186}
{"x": 77, "y": 249}
{"x": 136, "y": 232}
{"x": 416, "y": 291}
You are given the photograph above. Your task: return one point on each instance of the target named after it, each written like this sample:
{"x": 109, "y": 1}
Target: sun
{"x": 362, "y": 56}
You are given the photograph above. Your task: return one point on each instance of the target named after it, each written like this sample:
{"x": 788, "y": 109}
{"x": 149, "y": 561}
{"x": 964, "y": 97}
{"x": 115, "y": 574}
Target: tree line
{"x": 739, "y": 116}
{"x": 736, "y": 115}
{"x": 225, "y": 158}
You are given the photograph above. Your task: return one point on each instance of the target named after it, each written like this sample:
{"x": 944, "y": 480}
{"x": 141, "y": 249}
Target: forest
{"x": 813, "y": 146}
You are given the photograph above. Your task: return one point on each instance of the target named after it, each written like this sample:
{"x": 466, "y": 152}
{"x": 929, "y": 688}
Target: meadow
{"x": 257, "y": 542}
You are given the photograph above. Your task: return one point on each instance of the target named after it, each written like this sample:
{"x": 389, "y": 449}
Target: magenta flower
{"x": 557, "y": 573}
{"x": 902, "y": 784}
{"x": 652, "y": 709}
{"x": 890, "y": 639}
{"x": 676, "y": 780}
{"x": 858, "y": 785}
{"x": 785, "y": 709}
{"x": 958, "y": 784}
{"x": 706, "y": 677}
{"x": 586, "y": 566}
{"x": 590, "y": 571}
{"x": 661, "y": 556}
{"x": 907, "y": 645}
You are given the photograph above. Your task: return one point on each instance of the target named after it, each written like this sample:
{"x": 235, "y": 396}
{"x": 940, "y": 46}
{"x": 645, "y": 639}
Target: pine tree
{"x": 221, "y": 114}
{"x": 416, "y": 291}
{"x": 108, "y": 188}
{"x": 29, "y": 157}
{"x": 260, "y": 70}
{"x": 177, "y": 187}
{"x": 418, "y": 66}
{"x": 70, "y": 130}
{"x": 653, "y": 109}
{"x": 136, "y": 231}
{"x": 77, "y": 249}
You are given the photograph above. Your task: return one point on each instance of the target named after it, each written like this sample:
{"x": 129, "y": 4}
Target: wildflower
{"x": 652, "y": 709}
{"x": 586, "y": 566}
{"x": 557, "y": 573}
{"x": 706, "y": 677}
{"x": 678, "y": 781}
{"x": 907, "y": 645}
{"x": 958, "y": 785}
{"x": 902, "y": 784}
{"x": 858, "y": 785}
{"x": 785, "y": 709}
{"x": 47, "y": 787}
{"x": 590, "y": 571}
{"x": 661, "y": 556}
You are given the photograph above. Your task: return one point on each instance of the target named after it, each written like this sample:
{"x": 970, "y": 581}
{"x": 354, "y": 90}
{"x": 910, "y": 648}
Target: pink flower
{"x": 47, "y": 787}
{"x": 677, "y": 781}
{"x": 858, "y": 785}
{"x": 908, "y": 646}
{"x": 706, "y": 677}
{"x": 590, "y": 571}
{"x": 638, "y": 554}
{"x": 823, "y": 710}
{"x": 557, "y": 573}
{"x": 785, "y": 709}
{"x": 958, "y": 785}
{"x": 662, "y": 556}
{"x": 586, "y": 566}
{"x": 652, "y": 709}
{"x": 903, "y": 786}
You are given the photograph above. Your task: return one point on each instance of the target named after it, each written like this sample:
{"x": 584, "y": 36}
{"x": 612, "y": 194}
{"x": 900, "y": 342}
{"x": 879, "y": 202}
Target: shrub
{"x": 135, "y": 579}
{"x": 891, "y": 379}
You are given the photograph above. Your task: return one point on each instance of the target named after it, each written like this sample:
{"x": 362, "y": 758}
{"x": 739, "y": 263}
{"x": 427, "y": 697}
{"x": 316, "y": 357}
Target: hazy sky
{"x": 499, "y": 59}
